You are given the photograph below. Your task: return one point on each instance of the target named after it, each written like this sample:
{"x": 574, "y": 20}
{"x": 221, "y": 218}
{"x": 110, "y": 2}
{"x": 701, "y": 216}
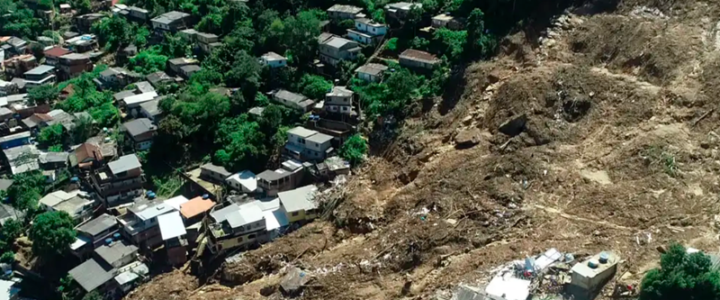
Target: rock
{"x": 493, "y": 77}
{"x": 661, "y": 249}
{"x": 294, "y": 282}
{"x": 467, "y": 138}
{"x": 550, "y": 43}
{"x": 467, "y": 120}
{"x": 513, "y": 126}
{"x": 268, "y": 290}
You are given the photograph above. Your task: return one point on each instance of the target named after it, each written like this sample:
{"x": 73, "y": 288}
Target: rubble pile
{"x": 550, "y": 275}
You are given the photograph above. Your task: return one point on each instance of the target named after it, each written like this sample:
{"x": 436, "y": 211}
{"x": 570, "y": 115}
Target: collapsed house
{"x": 550, "y": 275}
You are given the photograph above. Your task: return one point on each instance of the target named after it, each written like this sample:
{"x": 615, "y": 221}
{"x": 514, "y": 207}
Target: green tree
{"x": 450, "y": 43}
{"x": 211, "y": 22}
{"x": 271, "y": 119}
{"x": 354, "y": 149}
{"x": 478, "y": 41}
{"x": 175, "y": 46}
{"x": 681, "y": 276}
{"x": 68, "y": 288}
{"x": 82, "y": 6}
{"x": 106, "y": 115}
{"x": 52, "y": 233}
{"x": 244, "y": 74}
{"x": 21, "y": 23}
{"x": 7, "y": 257}
{"x": 142, "y": 34}
{"x": 314, "y": 86}
{"x": 270, "y": 28}
{"x": 149, "y": 61}
{"x": 94, "y": 295}
{"x": 401, "y": 89}
{"x": 114, "y": 32}
{"x": 419, "y": 43}
{"x": 11, "y": 230}
{"x": 51, "y": 135}
{"x": 301, "y": 32}
{"x": 243, "y": 143}
{"x": 43, "y": 94}
{"x": 392, "y": 44}
{"x": 82, "y": 130}
{"x": 27, "y": 189}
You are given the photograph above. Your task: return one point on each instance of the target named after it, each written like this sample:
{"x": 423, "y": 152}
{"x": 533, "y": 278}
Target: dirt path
{"x": 581, "y": 219}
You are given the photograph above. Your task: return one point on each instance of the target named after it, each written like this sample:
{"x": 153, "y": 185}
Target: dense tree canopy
{"x": 354, "y": 149}
{"x": 26, "y": 190}
{"x": 51, "y": 135}
{"x": 43, "y": 94}
{"x": 116, "y": 31}
{"x": 314, "y": 86}
{"x": 149, "y": 61}
{"x": 681, "y": 276}
{"x": 52, "y": 233}
{"x": 243, "y": 143}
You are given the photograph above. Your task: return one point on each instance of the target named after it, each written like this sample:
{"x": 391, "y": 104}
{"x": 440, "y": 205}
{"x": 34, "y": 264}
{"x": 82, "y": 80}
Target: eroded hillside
{"x": 602, "y": 135}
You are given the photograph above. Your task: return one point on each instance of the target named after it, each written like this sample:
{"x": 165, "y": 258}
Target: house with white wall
{"x": 273, "y": 60}
{"x": 367, "y": 31}
{"x": 371, "y": 72}
{"x": 306, "y": 144}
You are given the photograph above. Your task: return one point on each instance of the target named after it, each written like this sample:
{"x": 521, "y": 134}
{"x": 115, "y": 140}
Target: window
{"x": 317, "y": 145}
{"x": 295, "y": 214}
{"x": 250, "y": 237}
{"x": 240, "y": 239}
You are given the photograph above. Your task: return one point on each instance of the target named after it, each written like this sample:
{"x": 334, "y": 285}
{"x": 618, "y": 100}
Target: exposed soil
{"x": 602, "y": 138}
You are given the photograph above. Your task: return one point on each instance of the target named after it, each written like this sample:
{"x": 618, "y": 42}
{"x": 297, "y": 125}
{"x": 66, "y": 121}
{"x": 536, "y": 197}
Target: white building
{"x": 339, "y": 100}
{"x": 244, "y": 181}
{"x": 273, "y": 60}
{"x": 306, "y": 144}
{"x": 371, "y": 72}
{"x": 367, "y": 32}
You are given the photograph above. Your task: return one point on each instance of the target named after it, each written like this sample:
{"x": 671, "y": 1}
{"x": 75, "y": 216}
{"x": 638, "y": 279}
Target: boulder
{"x": 513, "y": 126}
{"x": 467, "y": 138}
{"x": 294, "y": 282}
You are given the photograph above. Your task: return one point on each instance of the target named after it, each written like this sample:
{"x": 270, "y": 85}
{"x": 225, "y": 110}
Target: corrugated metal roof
{"x": 90, "y": 274}
{"x": 98, "y": 225}
{"x": 124, "y": 164}
{"x": 39, "y": 70}
{"x": 298, "y": 199}
{"x": 171, "y": 226}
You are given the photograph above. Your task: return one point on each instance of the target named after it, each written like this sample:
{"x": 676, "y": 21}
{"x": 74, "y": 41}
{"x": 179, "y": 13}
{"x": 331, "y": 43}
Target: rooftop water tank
{"x": 592, "y": 264}
{"x": 108, "y": 241}
{"x": 116, "y": 235}
{"x": 604, "y": 258}
{"x": 205, "y": 196}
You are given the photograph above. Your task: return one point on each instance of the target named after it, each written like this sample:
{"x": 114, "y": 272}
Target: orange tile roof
{"x": 195, "y": 207}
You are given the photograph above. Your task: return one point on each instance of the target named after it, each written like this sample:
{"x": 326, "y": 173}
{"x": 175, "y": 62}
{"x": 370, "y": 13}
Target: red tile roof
{"x": 57, "y": 51}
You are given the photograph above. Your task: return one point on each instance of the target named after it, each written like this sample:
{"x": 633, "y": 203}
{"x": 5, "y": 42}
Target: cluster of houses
{"x": 122, "y": 228}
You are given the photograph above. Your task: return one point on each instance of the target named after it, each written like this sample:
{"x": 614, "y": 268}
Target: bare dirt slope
{"x": 619, "y": 151}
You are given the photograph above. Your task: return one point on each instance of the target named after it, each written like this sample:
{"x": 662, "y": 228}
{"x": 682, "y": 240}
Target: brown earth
{"x": 617, "y": 142}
